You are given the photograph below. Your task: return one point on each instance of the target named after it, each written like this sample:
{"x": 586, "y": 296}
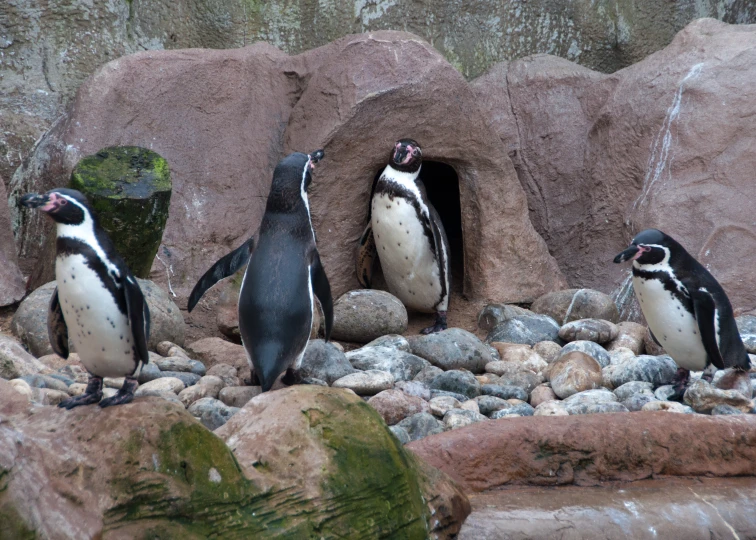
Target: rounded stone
{"x": 394, "y": 341}
{"x": 363, "y": 315}
{"x": 227, "y": 373}
{"x": 703, "y": 397}
{"x": 504, "y": 391}
{"x": 527, "y": 329}
{"x": 189, "y": 379}
{"x": 542, "y": 394}
{"x": 574, "y": 304}
{"x": 551, "y": 408}
{"x": 633, "y": 387}
{"x": 725, "y": 410}
{"x": 129, "y": 189}
{"x": 490, "y": 404}
{"x": 461, "y": 382}
{"x": 630, "y": 336}
{"x": 669, "y": 406}
{"x": 427, "y": 374}
{"x": 324, "y": 361}
{"x": 636, "y": 402}
{"x": 574, "y": 372}
{"x": 163, "y": 384}
{"x": 421, "y": 425}
{"x": 366, "y": 383}
{"x": 657, "y": 370}
{"x": 149, "y": 372}
{"x": 439, "y": 405}
{"x": 597, "y": 330}
{"x": 238, "y": 396}
{"x": 459, "y": 418}
{"x": 592, "y": 349}
{"x": 402, "y": 365}
{"x": 452, "y": 349}
{"x": 414, "y": 388}
{"x": 400, "y": 433}
{"x": 586, "y": 402}
{"x": 548, "y": 350}
{"x": 494, "y": 314}
{"x": 187, "y": 396}
{"x": 394, "y": 405}
{"x": 214, "y": 384}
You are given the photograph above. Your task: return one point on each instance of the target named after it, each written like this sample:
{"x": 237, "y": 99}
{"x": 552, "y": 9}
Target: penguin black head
{"x": 406, "y": 156}
{"x": 650, "y": 247}
{"x": 291, "y": 179}
{"x": 65, "y": 206}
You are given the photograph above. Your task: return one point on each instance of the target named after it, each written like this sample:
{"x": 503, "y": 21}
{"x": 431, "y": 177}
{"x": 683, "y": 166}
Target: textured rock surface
{"x": 460, "y": 382}
{"x": 657, "y": 370}
{"x": 703, "y": 397}
{"x": 588, "y": 449}
{"x": 403, "y": 366}
{"x": 15, "y": 361}
{"x": 12, "y": 286}
{"x": 452, "y": 349}
{"x": 596, "y": 330}
{"x": 527, "y": 329}
{"x": 574, "y": 372}
{"x": 592, "y": 349}
{"x": 574, "y": 304}
{"x": 394, "y": 405}
{"x": 324, "y": 361}
{"x": 364, "y": 315}
{"x": 366, "y": 383}
{"x": 604, "y": 156}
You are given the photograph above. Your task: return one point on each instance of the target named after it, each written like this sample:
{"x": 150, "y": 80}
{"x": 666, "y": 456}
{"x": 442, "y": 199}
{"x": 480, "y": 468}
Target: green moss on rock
{"x": 129, "y": 189}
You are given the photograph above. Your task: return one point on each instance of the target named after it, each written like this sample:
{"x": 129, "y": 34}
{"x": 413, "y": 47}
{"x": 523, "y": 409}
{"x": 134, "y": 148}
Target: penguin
{"x": 283, "y": 276}
{"x": 97, "y": 301}
{"x": 405, "y": 233}
{"x": 687, "y": 310}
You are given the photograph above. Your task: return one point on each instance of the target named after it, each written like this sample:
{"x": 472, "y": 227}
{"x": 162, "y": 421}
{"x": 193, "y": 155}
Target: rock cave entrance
{"x": 442, "y": 186}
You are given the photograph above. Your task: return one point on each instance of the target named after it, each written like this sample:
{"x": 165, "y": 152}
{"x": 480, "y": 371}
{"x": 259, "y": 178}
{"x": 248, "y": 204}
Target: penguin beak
{"x": 32, "y": 200}
{"x": 626, "y": 255}
{"x": 316, "y": 156}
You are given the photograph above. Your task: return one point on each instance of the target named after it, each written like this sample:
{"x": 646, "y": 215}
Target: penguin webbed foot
{"x": 439, "y": 326}
{"x": 124, "y": 395}
{"x": 292, "y": 377}
{"x": 680, "y": 384}
{"x": 93, "y": 394}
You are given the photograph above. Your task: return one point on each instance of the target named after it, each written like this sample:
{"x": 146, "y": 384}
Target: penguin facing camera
{"x": 405, "y": 232}
{"x": 283, "y": 276}
{"x": 97, "y": 302}
{"x": 687, "y": 310}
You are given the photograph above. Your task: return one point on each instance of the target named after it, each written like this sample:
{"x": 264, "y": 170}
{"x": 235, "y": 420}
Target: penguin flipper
{"x": 442, "y": 254}
{"x": 57, "y": 329}
{"x": 322, "y": 290}
{"x": 139, "y": 316}
{"x": 653, "y": 337}
{"x": 366, "y": 256}
{"x": 705, "y": 311}
{"x": 226, "y": 266}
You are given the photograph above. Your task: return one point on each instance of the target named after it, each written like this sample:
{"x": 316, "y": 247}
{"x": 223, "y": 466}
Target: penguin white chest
{"x": 672, "y": 324}
{"x": 409, "y": 266}
{"x": 98, "y": 329}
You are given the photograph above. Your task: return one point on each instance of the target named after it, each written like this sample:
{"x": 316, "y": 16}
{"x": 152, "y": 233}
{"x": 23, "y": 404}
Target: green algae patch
{"x": 129, "y": 189}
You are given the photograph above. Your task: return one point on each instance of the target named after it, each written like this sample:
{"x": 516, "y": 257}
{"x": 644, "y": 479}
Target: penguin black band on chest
{"x": 97, "y": 302}
{"x": 687, "y": 310}
{"x": 283, "y": 276}
{"x": 406, "y": 234}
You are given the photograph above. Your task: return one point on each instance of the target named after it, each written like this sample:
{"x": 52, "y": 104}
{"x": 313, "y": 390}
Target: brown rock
{"x": 574, "y": 372}
{"x": 735, "y": 380}
{"x": 12, "y": 286}
{"x": 394, "y": 405}
{"x": 602, "y": 157}
{"x": 301, "y": 431}
{"x": 213, "y": 350}
{"x": 587, "y": 449}
{"x": 597, "y": 330}
{"x": 574, "y": 304}
{"x": 703, "y": 398}
{"x": 631, "y": 336}
{"x": 238, "y": 396}
{"x": 227, "y": 373}
{"x": 542, "y": 394}
{"x": 549, "y": 350}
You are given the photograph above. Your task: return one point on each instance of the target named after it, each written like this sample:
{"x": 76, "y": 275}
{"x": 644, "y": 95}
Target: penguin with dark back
{"x": 97, "y": 302}
{"x": 405, "y": 233}
{"x": 687, "y": 310}
{"x": 283, "y": 276}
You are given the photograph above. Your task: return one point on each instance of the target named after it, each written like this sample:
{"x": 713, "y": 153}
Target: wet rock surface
{"x": 716, "y": 508}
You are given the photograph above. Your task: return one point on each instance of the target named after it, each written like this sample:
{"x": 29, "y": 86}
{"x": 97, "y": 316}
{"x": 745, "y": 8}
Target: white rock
{"x": 366, "y": 383}
{"x": 442, "y": 404}
{"x": 22, "y": 387}
{"x": 551, "y": 408}
{"x": 163, "y": 384}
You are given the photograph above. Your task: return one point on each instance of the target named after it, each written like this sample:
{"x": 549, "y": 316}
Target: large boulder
{"x": 605, "y": 156}
{"x": 12, "y": 286}
{"x": 345, "y": 454}
{"x": 136, "y": 457}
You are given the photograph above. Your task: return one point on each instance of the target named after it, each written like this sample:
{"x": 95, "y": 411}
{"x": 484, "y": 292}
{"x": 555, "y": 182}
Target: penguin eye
{"x": 415, "y": 152}
{"x": 63, "y": 202}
